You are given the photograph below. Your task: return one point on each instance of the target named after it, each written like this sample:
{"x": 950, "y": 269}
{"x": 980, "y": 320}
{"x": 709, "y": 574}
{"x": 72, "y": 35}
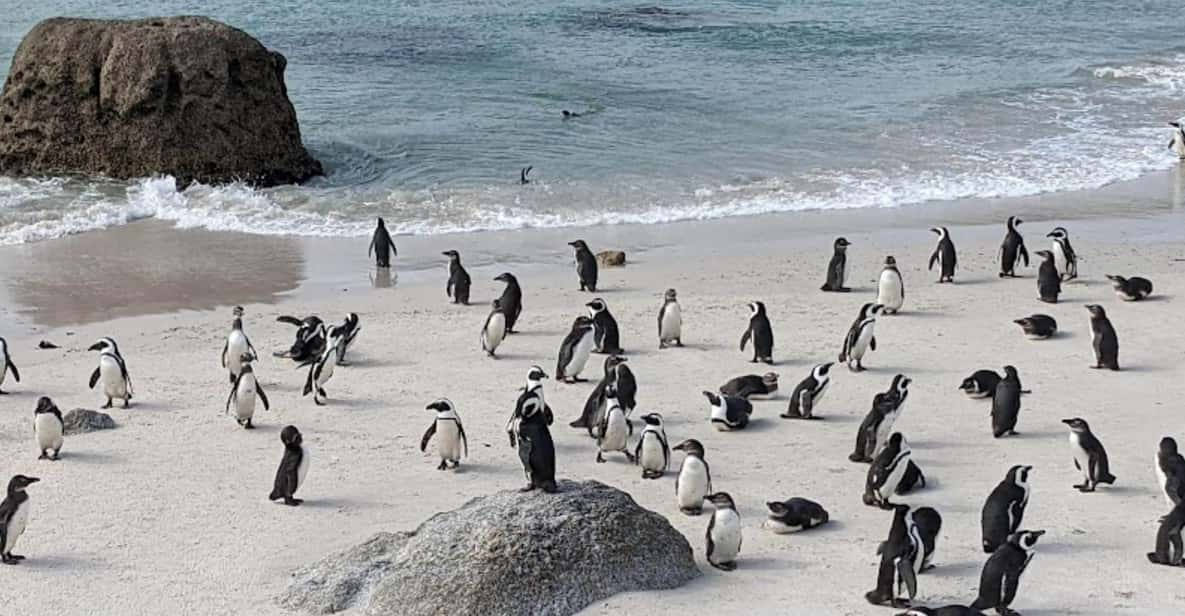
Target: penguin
{"x": 320, "y": 371}
{"x": 569, "y": 115}
{"x": 981, "y": 384}
{"x": 1012, "y": 250}
{"x": 381, "y": 246}
{"x": 761, "y": 333}
{"x": 724, "y": 533}
{"x": 47, "y": 425}
{"x": 615, "y": 429}
{"x": 888, "y": 467}
{"x": 1177, "y": 143}
{"x": 795, "y": 515}
{"x": 522, "y": 175}
{"x": 729, "y": 413}
{"x": 14, "y": 517}
{"x": 1131, "y": 289}
{"x": 1004, "y": 509}
{"x": 1001, "y": 573}
{"x": 901, "y": 558}
{"x": 243, "y": 393}
{"x": 927, "y": 524}
{"x": 594, "y": 406}
{"x": 891, "y": 288}
{"x": 6, "y": 365}
{"x": 837, "y": 269}
{"x": 1049, "y": 283}
{"x": 605, "y": 332}
{"x": 1170, "y": 471}
{"x": 1103, "y": 339}
{"x": 1006, "y": 404}
{"x": 511, "y": 300}
{"x": 693, "y": 484}
{"x": 574, "y": 351}
{"x": 1089, "y": 455}
{"x": 944, "y": 255}
{"x": 874, "y": 431}
{"x": 237, "y": 344}
{"x": 343, "y": 336}
{"x": 860, "y": 337}
{"x": 458, "y": 283}
{"x": 310, "y": 338}
{"x": 530, "y": 431}
{"x": 112, "y": 371}
{"x": 1038, "y": 326}
{"x": 1063, "y": 253}
{"x": 1169, "y": 546}
{"x": 808, "y": 393}
{"x": 946, "y": 610}
{"x": 494, "y": 330}
{"x": 652, "y": 452}
{"x": 586, "y": 266}
{"x": 752, "y": 386}
{"x": 670, "y": 321}
{"x": 913, "y": 479}
{"x": 294, "y": 467}
{"x": 534, "y": 390}
{"x": 451, "y": 443}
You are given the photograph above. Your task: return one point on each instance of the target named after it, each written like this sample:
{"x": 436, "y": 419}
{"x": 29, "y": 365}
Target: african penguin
{"x": 522, "y": 175}
{"x": 728, "y": 413}
{"x": 381, "y": 245}
{"x": 1177, "y": 143}
{"x": 794, "y": 515}
{"x": 724, "y": 532}
{"x": 694, "y": 482}
{"x": 1038, "y": 326}
{"x": 944, "y": 255}
{"x": 652, "y": 452}
{"x": 1170, "y": 471}
{"x": 927, "y": 524}
{"x": 1049, "y": 283}
{"x": 605, "y": 332}
{"x": 294, "y": 467}
{"x": 670, "y": 321}
{"x": 1103, "y": 339}
{"x": 808, "y": 393}
{"x": 615, "y": 428}
{"x": 1006, "y": 404}
{"x": 901, "y": 557}
{"x": 586, "y": 266}
{"x": 890, "y": 288}
{"x": 1168, "y": 538}
{"x": 912, "y": 480}
{"x": 762, "y": 334}
{"x": 533, "y": 395}
{"x": 886, "y": 471}
{"x": 112, "y": 371}
{"x": 860, "y": 337}
{"x": 458, "y": 283}
{"x": 837, "y": 268}
{"x": 1089, "y": 456}
{"x": 530, "y": 432}
{"x": 574, "y": 351}
{"x": 320, "y": 371}
{"x": 1004, "y": 509}
{"x": 451, "y": 443}
{"x": 237, "y": 344}
{"x": 14, "y": 517}
{"x": 6, "y": 365}
{"x": 342, "y": 336}
{"x": 751, "y": 386}
{"x": 494, "y": 330}
{"x": 310, "y": 338}
{"x": 243, "y": 393}
{"x": 981, "y": 384}
{"x": 1012, "y": 250}
{"x": 1131, "y": 289}
{"x": 47, "y": 426}
{"x": 1064, "y": 257}
{"x": 511, "y": 300}
{"x": 878, "y": 423}
{"x": 1001, "y": 573}
{"x": 594, "y": 406}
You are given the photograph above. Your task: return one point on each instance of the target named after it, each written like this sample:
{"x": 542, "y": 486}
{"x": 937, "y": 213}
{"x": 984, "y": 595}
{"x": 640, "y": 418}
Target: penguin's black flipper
{"x": 308, "y": 383}
{"x": 745, "y": 338}
{"x": 290, "y": 320}
{"x": 872, "y": 344}
{"x": 905, "y": 572}
{"x": 262, "y": 396}
{"x": 428, "y": 436}
{"x": 464, "y": 441}
{"x": 225, "y": 346}
{"x": 1024, "y": 254}
{"x": 234, "y": 387}
{"x": 15, "y": 374}
{"x": 94, "y": 378}
{"x": 933, "y": 259}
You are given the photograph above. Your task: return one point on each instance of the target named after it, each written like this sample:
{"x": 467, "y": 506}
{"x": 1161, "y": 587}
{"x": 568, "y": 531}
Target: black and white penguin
{"x": 320, "y": 371}
{"x": 946, "y": 610}
{"x": 494, "y": 329}
{"x": 310, "y": 339}
{"x": 944, "y": 255}
{"x": 615, "y": 428}
{"x": 6, "y": 365}
{"x": 927, "y": 524}
{"x": 728, "y": 413}
{"x": 874, "y": 431}
{"x": 1038, "y": 326}
{"x": 458, "y": 279}
{"x": 981, "y": 384}
{"x": 808, "y": 393}
{"x": 1001, "y": 573}
{"x": 1004, "y": 509}
{"x": 652, "y": 452}
{"x": 529, "y": 431}
{"x": 913, "y": 479}
{"x": 751, "y": 386}
{"x": 586, "y": 266}
{"x": 1170, "y": 471}
{"x": 294, "y": 467}
{"x": 670, "y": 321}
{"x": 1103, "y": 339}
{"x": 901, "y": 560}
{"x": 14, "y": 517}
{"x": 1006, "y": 404}
{"x": 112, "y": 371}
{"x": 605, "y": 333}
{"x": 343, "y": 336}
{"x": 451, "y": 443}
{"x": 1131, "y": 289}
{"x": 1049, "y": 282}
{"x": 511, "y": 300}
{"x": 595, "y": 405}
{"x": 795, "y": 515}
{"x": 1169, "y": 546}
{"x": 1089, "y": 455}
{"x": 724, "y": 533}
{"x": 48, "y": 427}
{"x": 762, "y": 334}
{"x": 693, "y": 484}
{"x": 1177, "y": 143}
{"x": 1064, "y": 257}
{"x": 890, "y": 289}
{"x": 1012, "y": 250}
{"x": 574, "y": 351}
{"x": 888, "y": 467}
{"x": 237, "y": 345}
{"x": 522, "y": 175}
{"x": 243, "y": 393}
{"x": 381, "y": 245}
{"x": 860, "y": 337}
{"x": 837, "y": 268}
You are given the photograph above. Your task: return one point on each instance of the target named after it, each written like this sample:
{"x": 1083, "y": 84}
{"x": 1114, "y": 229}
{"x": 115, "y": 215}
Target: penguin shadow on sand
{"x": 63, "y": 562}
{"x": 100, "y": 458}
{"x": 336, "y": 503}
{"x": 962, "y": 570}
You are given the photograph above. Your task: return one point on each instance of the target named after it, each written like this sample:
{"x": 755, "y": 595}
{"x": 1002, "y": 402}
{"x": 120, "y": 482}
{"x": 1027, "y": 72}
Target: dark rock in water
{"x": 184, "y": 96}
{"x": 509, "y": 553}
{"x": 611, "y": 258}
{"x": 81, "y": 421}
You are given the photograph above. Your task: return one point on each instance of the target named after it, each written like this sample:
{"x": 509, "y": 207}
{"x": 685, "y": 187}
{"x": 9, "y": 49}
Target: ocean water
{"x": 424, "y": 112}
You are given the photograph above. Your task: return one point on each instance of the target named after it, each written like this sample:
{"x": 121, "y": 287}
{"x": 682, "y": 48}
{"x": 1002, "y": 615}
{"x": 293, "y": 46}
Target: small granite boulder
{"x": 81, "y": 421}
{"x": 611, "y": 258}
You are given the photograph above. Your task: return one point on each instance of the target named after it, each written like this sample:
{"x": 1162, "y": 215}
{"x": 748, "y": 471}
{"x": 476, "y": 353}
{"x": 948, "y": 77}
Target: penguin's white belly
{"x": 719, "y": 418}
{"x": 894, "y": 478}
{"x": 889, "y": 291}
{"x": 1059, "y": 257}
{"x": 652, "y": 453}
{"x": 3, "y": 368}
{"x": 327, "y": 370}
{"x": 112, "y": 377}
{"x": 885, "y": 429}
{"x": 693, "y": 484}
{"x": 862, "y": 339}
{"x": 1080, "y": 456}
{"x": 616, "y": 432}
{"x": 494, "y": 332}
{"x": 579, "y": 356}
{"x": 672, "y": 323}
{"x": 49, "y": 432}
{"x": 448, "y": 440}
{"x": 1179, "y": 144}
{"x": 781, "y": 528}
{"x": 236, "y": 346}
{"x": 303, "y": 469}
{"x": 726, "y": 536}
{"x": 16, "y": 526}
{"x": 245, "y": 398}
{"x": 1161, "y": 480}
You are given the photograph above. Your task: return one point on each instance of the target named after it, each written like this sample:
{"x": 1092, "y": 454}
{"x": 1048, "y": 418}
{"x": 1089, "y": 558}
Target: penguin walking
{"x": 751, "y": 386}
{"x": 762, "y": 334}
{"x": 574, "y": 351}
{"x": 6, "y": 365}
{"x": 1012, "y": 250}
{"x": 451, "y": 443}
{"x": 586, "y": 266}
{"x": 1103, "y": 339}
{"x": 1038, "y": 326}
{"x": 381, "y": 245}
{"x": 529, "y": 430}
{"x": 47, "y": 426}
{"x": 837, "y": 268}
{"x": 605, "y": 333}
{"x": 1170, "y": 471}
{"x": 1169, "y": 546}
{"x": 901, "y": 560}
{"x": 294, "y": 467}
{"x": 1089, "y": 456}
{"x": 795, "y": 515}
{"x": 615, "y": 429}
{"x": 1049, "y": 282}
{"x": 724, "y": 533}
{"x": 808, "y": 393}
{"x": 457, "y": 287}
{"x": 890, "y": 288}
{"x": 1004, "y": 509}
{"x": 320, "y": 371}
{"x": 1131, "y": 289}
{"x": 729, "y": 413}
{"x": 14, "y": 517}
{"x": 237, "y": 345}
{"x": 494, "y": 330}
{"x": 944, "y": 255}
{"x": 860, "y": 338}
{"x": 652, "y": 452}
{"x": 1177, "y": 143}
{"x": 670, "y": 321}
{"x": 1006, "y": 404}
{"x": 342, "y": 336}
{"x": 1000, "y": 578}
{"x": 693, "y": 484}
{"x": 243, "y": 393}
{"x": 1064, "y": 257}
{"x": 511, "y": 300}
{"x": 874, "y": 431}
{"x": 886, "y": 472}
{"x": 112, "y": 371}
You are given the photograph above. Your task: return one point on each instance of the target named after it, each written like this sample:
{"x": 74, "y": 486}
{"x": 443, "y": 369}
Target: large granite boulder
{"x": 184, "y": 96}
{"x": 509, "y": 553}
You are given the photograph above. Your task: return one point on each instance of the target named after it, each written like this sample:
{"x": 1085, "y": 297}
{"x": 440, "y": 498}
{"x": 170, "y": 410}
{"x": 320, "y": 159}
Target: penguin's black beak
{"x": 96, "y": 346}
{"x": 935, "y": 231}
{"x": 1038, "y": 533}
{"x": 1175, "y": 124}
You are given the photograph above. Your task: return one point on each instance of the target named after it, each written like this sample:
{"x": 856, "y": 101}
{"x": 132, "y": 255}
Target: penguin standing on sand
{"x": 1004, "y": 509}
{"x": 494, "y": 330}
{"x": 1064, "y": 256}
{"x": 320, "y": 371}
{"x": 860, "y": 338}
{"x": 1177, "y": 143}
{"x": 1006, "y": 404}
{"x": 751, "y": 386}
{"x": 1001, "y": 573}
{"x": 886, "y": 472}
{"x": 381, "y": 245}
{"x": 342, "y": 336}
{"x": 511, "y": 300}
{"x": 243, "y": 393}
{"x": 1131, "y": 289}
{"x": 652, "y": 452}
{"x": 310, "y": 338}
{"x": 458, "y": 279}
{"x": 112, "y": 371}
{"x": 14, "y": 517}
{"x": 837, "y": 268}
{"x": 944, "y": 255}
{"x": 294, "y": 467}
{"x": 606, "y": 335}
{"x": 595, "y": 406}
{"x": 762, "y": 334}
{"x": 724, "y": 533}
{"x": 795, "y": 515}
{"x": 529, "y": 430}
{"x": 451, "y": 443}
{"x": 1049, "y": 282}
{"x": 1170, "y": 471}
{"x": 693, "y": 484}
{"x": 728, "y": 413}
{"x": 1103, "y": 339}
{"x": 586, "y": 266}
{"x": 237, "y": 345}
{"x": 808, "y": 393}
{"x": 1089, "y": 456}
{"x": 6, "y": 365}
{"x": 901, "y": 560}
{"x": 574, "y": 351}
{"x": 1169, "y": 546}
{"x": 1012, "y": 250}
{"x": 670, "y": 321}
{"x": 890, "y": 287}
{"x": 615, "y": 429}
{"x": 48, "y": 427}
{"x": 874, "y": 431}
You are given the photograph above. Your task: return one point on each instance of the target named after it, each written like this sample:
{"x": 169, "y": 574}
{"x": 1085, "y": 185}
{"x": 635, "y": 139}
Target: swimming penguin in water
{"x": 1004, "y": 509}
{"x": 1038, "y": 326}
{"x": 522, "y": 175}
{"x": 310, "y": 339}
{"x": 568, "y": 115}
{"x": 606, "y": 336}
{"x": 451, "y": 443}
{"x": 320, "y": 371}
{"x": 901, "y": 555}
{"x": 795, "y": 515}
{"x": 112, "y": 371}
{"x": 1103, "y": 339}
{"x": 944, "y": 255}
{"x": 1177, "y": 143}
{"x": 1006, "y": 404}
{"x": 1131, "y": 289}
{"x": 237, "y": 344}
{"x": 48, "y": 427}
{"x": 808, "y": 393}
{"x": 458, "y": 279}
{"x": 762, "y": 334}
{"x": 294, "y": 467}
{"x": 890, "y": 288}
{"x": 752, "y": 386}
{"x": 724, "y": 533}
{"x": 728, "y": 413}
{"x": 1002, "y": 572}
{"x": 494, "y": 330}
{"x": 874, "y": 431}
{"x": 530, "y": 432}
{"x": 243, "y": 393}
{"x": 652, "y": 452}
{"x": 694, "y": 482}
{"x": 574, "y": 351}
{"x": 1049, "y": 282}
{"x": 586, "y": 266}
{"x": 1064, "y": 257}
{"x": 1012, "y": 250}
{"x": 381, "y": 245}
{"x": 670, "y": 321}
{"x": 511, "y": 300}
{"x": 837, "y": 268}
{"x": 1089, "y": 455}
{"x": 6, "y": 365}
{"x": 615, "y": 428}
{"x": 342, "y": 336}
{"x": 14, "y": 517}
{"x": 888, "y": 467}
{"x": 1170, "y": 471}
{"x": 860, "y": 337}
{"x": 1169, "y": 546}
